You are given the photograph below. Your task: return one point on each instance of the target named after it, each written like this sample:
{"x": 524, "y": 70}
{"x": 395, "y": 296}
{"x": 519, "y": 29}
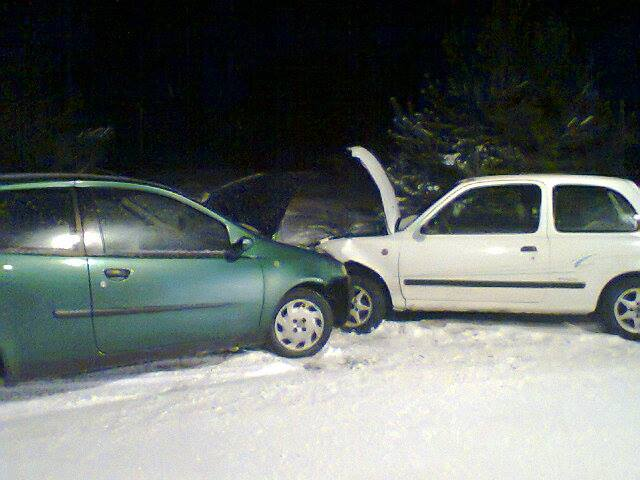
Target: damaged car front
{"x": 371, "y": 260}
{"x": 337, "y": 215}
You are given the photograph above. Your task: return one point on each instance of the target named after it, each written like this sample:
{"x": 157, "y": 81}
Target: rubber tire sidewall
{"x": 607, "y": 315}
{"x": 378, "y": 299}
{"x": 307, "y": 294}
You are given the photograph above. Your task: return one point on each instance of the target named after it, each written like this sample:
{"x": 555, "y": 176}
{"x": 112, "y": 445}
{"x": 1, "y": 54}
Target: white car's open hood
{"x": 387, "y": 192}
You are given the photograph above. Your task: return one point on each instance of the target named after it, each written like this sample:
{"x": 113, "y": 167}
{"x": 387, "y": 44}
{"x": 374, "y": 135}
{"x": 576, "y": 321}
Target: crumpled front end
{"x": 378, "y": 254}
{"x": 339, "y": 293}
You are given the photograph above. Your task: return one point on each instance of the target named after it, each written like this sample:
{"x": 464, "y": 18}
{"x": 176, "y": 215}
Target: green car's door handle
{"x": 117, "y": 273}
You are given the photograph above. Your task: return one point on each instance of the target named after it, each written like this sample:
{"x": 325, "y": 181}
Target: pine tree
{"x": 520, "y": 100}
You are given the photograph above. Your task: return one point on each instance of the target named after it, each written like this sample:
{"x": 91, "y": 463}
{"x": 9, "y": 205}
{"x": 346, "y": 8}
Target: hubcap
{"x": 299, "y": 325}
{"x": 361, "y": 308}
{"x": 627, "y": 310}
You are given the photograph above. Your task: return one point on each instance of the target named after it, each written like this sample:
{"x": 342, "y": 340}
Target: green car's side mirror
{"x": 245, "y": 243}
{"x": 237, "y": 248}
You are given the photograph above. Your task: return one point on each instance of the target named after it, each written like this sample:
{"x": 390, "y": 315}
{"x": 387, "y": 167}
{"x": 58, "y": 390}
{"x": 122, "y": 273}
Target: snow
{"x": 460, "y": 397}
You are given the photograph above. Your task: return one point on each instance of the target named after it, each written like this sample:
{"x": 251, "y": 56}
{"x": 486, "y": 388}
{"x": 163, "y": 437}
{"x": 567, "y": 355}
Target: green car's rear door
{"x": 158, "y": 274}
{"x": 45, "y": 323}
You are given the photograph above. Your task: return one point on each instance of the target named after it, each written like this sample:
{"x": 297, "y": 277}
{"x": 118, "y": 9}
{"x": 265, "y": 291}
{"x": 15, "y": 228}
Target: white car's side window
{"x": 587, "y": 208}
{"x": 497, "y": 209}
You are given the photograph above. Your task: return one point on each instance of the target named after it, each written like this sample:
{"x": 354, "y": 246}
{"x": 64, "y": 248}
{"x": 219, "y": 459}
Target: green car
{"x": 97, "y": 271}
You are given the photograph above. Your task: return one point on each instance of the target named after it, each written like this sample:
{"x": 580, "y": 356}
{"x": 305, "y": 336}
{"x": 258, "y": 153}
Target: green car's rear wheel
{"x": 301, "y": 325}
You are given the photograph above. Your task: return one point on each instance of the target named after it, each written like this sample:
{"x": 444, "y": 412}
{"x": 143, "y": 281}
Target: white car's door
{"x": 484, "y": 249}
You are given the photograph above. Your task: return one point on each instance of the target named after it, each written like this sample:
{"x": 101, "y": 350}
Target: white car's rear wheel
{"x": 627, "y": 310}
{"x": 620, "y": 310}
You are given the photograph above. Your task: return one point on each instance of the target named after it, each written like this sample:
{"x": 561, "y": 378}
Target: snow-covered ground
{"x": 472, "y": 397}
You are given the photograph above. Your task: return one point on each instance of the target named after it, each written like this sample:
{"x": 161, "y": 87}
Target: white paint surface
{"x": 592, "y": 259}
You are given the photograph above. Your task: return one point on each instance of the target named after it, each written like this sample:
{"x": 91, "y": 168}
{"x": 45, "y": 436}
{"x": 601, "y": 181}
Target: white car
{"x": 552, "y": 244}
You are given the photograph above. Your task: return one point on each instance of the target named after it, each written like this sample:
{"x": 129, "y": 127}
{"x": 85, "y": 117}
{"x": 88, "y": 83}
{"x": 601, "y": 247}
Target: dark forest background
{"x": 440, "y": 89}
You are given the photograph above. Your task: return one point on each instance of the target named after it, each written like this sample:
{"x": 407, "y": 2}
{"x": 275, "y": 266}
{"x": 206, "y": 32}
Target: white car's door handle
{"x": 529, "y": 248}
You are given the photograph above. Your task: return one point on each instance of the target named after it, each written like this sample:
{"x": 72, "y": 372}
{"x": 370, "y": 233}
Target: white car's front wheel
{"x": 620, "y": 312}
{"x": 368, "y": 304}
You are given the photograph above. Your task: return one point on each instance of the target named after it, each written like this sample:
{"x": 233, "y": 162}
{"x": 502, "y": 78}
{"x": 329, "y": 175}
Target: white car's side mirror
{"x": 636, "y": 217}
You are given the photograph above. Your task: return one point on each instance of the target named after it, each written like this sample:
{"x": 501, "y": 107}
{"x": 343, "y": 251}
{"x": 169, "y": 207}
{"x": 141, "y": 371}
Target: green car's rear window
{"x": 38, "y": 221}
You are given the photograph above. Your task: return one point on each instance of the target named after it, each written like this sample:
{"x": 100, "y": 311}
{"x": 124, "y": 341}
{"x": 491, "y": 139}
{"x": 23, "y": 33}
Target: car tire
{"x": 620, "y": 308}
{"x": 301, "y": 324}
{"x": 368, "y": 305}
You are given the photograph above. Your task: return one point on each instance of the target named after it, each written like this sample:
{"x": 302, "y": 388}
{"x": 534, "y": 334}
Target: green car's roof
{"x": 16, "y": 178}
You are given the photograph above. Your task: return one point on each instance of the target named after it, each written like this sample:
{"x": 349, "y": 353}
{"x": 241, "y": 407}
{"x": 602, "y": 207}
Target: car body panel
{"x": 592, "y": 258}
{"x": 491, "y": 258}
{"x": 34, "y": 292}
{"x": 51, "y": 307}
{"x": 286, "y": 267}
{"x": 174, "y": 301}
{"x": 379, "y": 254}
{"x": 488, "y": 272}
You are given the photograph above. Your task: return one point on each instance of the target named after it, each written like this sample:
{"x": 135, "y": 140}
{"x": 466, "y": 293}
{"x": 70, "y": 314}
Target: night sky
{"x": 240, "y": 84}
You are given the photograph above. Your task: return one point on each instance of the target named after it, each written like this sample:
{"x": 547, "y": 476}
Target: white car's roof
{"x": 552, "y": 179}
{"x": 392, "y": 211}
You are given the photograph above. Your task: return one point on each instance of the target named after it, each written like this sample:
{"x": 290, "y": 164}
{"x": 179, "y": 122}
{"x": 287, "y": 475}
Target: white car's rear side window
{"x": 588, "y": 208}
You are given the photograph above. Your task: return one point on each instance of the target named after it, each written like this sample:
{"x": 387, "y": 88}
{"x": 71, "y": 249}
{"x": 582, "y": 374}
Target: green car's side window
{"x": 135, "y": 223}
{"x": 38, "y": 221}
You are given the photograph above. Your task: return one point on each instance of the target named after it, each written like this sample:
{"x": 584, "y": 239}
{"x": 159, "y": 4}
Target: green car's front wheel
{"x": 301, "y": 325}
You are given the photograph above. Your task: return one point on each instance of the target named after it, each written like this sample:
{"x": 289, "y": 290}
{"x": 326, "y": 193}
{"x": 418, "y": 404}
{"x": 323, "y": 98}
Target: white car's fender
{"x": 379, "y": 254}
